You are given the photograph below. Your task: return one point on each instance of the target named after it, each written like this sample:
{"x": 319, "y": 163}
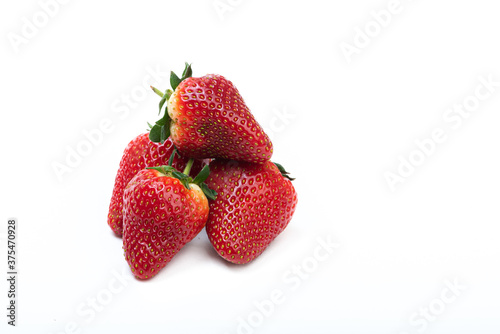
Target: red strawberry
{"x": 207, "y": 118}
{"x": 162, "y": 211}
{"x": 140, "y": 153}
{"x": 255, "y": 203}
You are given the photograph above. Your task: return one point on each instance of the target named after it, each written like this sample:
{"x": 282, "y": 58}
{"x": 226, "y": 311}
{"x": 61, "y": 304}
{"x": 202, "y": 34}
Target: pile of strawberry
{"x": 205, "y": 163}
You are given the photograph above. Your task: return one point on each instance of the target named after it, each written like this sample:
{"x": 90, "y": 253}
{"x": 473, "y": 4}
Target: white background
{"x": 346, "y": 125}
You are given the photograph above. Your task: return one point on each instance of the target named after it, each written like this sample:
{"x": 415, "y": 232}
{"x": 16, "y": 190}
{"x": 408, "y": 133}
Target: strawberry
{"x": 140, "y": 153}
{"x": 162, "y": 211}
{"x": 255, "y": 203}
{"x": 206, "y": 117}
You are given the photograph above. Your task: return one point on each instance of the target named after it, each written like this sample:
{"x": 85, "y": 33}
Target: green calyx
{"x": 283, "y": 171}
{"x": 166, "y": 170}
{"x": 184, "y": 177}
{"x": 160, "y": 131}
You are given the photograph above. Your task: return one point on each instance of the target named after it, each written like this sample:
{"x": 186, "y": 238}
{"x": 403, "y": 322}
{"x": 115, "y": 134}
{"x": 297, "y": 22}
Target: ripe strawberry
{"x": 140, "y": 153}
{"x": 162, "y": 211}
{"x": 207, "y": 118}
{"x": 255, "y": 203}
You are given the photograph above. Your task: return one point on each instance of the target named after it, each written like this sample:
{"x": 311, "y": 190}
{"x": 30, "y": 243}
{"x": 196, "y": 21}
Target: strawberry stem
{"x": 188, "y": 166}
{"x": 157, "y": 91}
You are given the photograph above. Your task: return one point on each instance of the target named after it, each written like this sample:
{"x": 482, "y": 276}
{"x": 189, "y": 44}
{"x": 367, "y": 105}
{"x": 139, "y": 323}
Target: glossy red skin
{"x": 211, "y": 120}
{"x": 254, "y": 205}
{"x": 139, "y": 154}
{"x": 160, "y": 215}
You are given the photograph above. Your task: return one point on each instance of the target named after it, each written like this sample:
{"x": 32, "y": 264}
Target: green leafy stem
{"x": 184, "y": 177}
{"x": 160, "y": 131}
